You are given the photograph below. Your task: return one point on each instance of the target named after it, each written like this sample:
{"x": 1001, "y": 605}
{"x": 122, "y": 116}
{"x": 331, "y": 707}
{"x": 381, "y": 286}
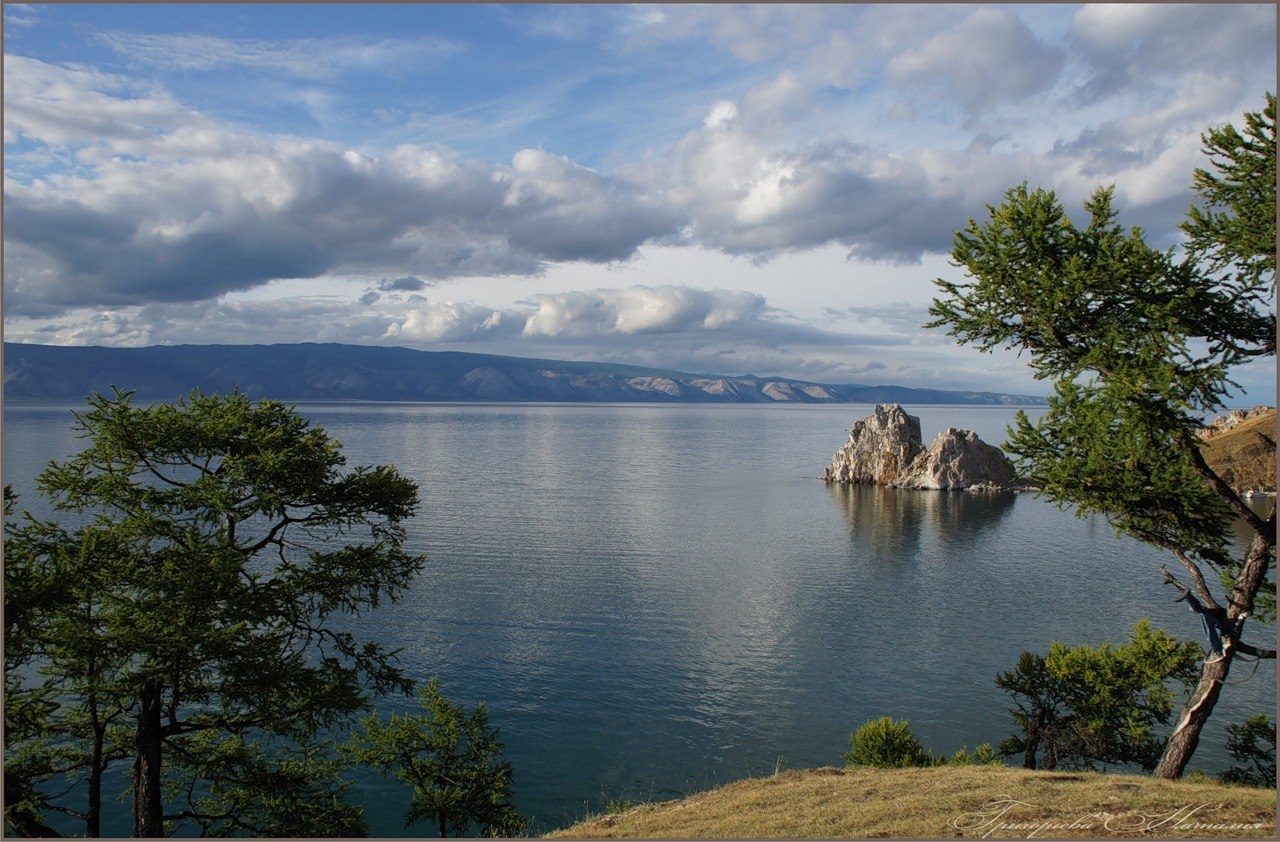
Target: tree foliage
{"x": 1139, "y": 346}
{"x": 1234, "y": 230}
{"x": 186, "y": 626}
{"x": 1252, "y": 742}
{"x": 452, "y": 760}
{"x": 1081, "y": 707}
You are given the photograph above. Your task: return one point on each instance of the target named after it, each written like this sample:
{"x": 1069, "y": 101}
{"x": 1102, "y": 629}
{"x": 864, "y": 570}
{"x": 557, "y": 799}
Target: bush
{"x": 453, "y": 761}
{"x": 983, "y": 755}
{"x": 1252, "y": 742}
{"x": 887, "y": 744}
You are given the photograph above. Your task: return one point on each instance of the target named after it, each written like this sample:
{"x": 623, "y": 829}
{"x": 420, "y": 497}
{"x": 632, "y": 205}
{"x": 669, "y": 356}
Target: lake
{"x": 654, "y": 600}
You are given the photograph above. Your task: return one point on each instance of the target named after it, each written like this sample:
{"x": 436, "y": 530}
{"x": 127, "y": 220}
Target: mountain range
{"x": 329, "y": 372}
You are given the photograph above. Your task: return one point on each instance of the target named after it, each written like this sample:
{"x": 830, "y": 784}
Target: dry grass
{"x": 948, "y": 802}
{"x": 1243, "y": 457}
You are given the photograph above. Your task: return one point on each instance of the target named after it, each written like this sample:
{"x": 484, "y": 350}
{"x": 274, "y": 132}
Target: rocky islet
{"x": 886, "y": 448}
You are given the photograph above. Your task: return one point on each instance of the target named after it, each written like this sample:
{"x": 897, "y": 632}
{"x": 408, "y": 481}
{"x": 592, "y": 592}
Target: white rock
{"x": 885, "y": 449}
{"x": 879, "y": 447}
{"x": 958, "y": 459}
{"x": 1223, "y": 423}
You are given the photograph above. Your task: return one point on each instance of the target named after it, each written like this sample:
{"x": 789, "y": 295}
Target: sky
{"x": 759, "y": 189}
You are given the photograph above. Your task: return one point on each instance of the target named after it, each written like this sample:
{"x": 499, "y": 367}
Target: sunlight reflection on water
{"x": 653, "y": 600}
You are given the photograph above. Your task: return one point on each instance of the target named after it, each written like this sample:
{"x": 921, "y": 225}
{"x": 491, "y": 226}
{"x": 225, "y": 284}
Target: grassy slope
{"x": 948, "y": 802}
{"x": 1243, "y": 457}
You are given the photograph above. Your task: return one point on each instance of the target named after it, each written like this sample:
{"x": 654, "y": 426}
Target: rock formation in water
{"x": 958, "y": 459}
{"x": 886, "y": 449}
{"x": 879, "y": 449}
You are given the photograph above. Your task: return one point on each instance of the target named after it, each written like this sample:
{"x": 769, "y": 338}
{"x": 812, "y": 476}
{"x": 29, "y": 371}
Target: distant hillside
{"x": 311, "y": 372}
{"x": 1245, "y": 454}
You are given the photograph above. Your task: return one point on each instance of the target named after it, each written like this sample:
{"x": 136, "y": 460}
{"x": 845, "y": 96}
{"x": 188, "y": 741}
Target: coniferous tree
{"x": 1081, "y": 707}
{"x": 451, "y": 759}
{"x": 181, "y": 628}
{"x": 1252, "y": 742}
{"x": 1139, "y": 346}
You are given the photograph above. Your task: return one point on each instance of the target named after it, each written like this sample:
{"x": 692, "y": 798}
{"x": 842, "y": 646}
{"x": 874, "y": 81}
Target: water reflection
{"x": 888, "y": 523}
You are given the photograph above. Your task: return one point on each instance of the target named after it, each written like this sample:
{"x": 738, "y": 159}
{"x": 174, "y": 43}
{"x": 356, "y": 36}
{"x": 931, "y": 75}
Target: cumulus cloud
{"x": 171, "y": 206}
{"x": 640, "y": 310}
{"x": 1138, "y": 50}
{"x": 293, "y": 319}
{"x": 408, "y": 283}
{"x": 564, "y": 211}
{"x": 591, "y": 314}
{"x": 668, "y": 326}
{"x": 751, "y": 197}
{"x": 451, "y": 322}
{"x": 164, "y": 203}
{"x": 990, "y": 58}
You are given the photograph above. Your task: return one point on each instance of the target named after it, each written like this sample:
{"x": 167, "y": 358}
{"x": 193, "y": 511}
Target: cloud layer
{"x": 875, "y": 129}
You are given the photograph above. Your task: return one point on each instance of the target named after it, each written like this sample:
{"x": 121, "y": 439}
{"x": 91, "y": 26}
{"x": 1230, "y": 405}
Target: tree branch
{"x": 1202, "y": 588}
{"x": 1216, "y": 627}
{"x": 1229, "y": 496}
{"x": 1253, "y": 651}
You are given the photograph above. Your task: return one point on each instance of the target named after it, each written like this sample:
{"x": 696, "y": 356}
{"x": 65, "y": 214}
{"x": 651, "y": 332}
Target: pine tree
{"x": 451, "y": 759}
{"x": 180, "y": 624}
{"x": 1139, "y": 346}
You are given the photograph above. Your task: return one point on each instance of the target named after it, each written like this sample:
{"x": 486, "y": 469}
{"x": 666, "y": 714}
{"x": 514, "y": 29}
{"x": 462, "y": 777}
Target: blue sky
{"x": 764, "y": 189}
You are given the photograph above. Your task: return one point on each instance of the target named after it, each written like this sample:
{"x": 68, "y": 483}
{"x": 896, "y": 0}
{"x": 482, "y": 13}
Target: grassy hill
{"x": 1245, "y": 455}
{"x": 993, "y": 802}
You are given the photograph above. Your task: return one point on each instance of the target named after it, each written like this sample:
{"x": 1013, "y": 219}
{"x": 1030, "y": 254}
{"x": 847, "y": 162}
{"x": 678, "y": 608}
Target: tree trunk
{"x": 1186, "y": 733}
{"x": 93, "y": 817}
{"x": 148, "y": 807}
{"x": 1195, "y": 713}
{"x": 1033, "y": 740}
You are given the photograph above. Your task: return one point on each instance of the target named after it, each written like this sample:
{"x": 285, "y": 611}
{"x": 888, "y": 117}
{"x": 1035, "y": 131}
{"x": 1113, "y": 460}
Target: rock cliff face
{"x": 886, "y": 449}
{"x": 879, "y": 449}
{"x": 958, "y": 459}
{"x": 1226, "y": 423}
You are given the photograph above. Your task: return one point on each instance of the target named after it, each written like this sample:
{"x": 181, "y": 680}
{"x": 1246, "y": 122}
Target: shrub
{"x": 1082, "y": 707}
{"x": 887, "y": 744}
{"x": 1252, "y": 742}
{"x": 983, "y": 755}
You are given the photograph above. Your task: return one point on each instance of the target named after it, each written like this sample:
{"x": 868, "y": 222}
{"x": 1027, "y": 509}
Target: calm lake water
{"x": 654, "y": 600}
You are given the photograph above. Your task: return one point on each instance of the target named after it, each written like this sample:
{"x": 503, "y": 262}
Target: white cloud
{"x": 76, "y": 105}
{"x": 791, "y": 138}
{"x": 1137, "y": 51}
{"x": 584, "y": 314}
{"x": 990, "y": 58}
{"x": 449, "y": 322}
{"x": 172, "y": 206}
{"x": 20, "y": 15}
{"x": 639, "y": 310}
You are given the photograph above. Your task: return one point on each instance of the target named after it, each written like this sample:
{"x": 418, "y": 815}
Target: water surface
{"x": 653, "y": 600}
